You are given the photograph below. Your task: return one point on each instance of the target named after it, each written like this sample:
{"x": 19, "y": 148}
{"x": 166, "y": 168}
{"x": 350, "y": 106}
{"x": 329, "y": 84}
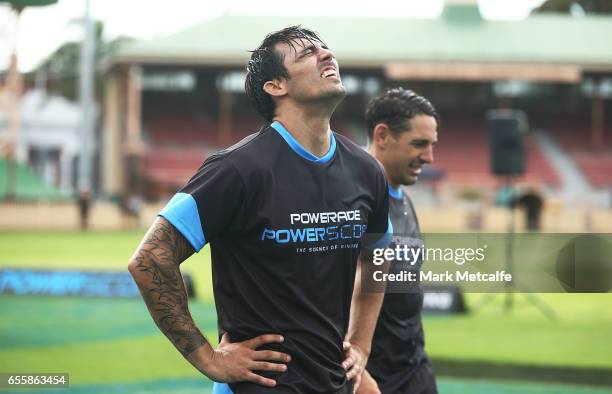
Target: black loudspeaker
{"x": 506, "y": 130}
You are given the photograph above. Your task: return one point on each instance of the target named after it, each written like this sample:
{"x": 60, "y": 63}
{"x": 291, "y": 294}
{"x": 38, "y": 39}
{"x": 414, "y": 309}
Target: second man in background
{"x": 402, "y": 131}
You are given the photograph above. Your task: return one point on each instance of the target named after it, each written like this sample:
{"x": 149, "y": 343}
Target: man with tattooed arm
{"x": 288, "y": 211}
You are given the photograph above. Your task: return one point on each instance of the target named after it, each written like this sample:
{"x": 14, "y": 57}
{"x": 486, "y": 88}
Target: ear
{"x": 381, "y": 135}
{"x": 275, "y": 88}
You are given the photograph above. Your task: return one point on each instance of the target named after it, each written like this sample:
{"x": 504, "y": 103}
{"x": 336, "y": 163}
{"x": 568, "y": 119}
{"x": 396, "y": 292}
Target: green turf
{"x": 114, "y": 340}
{"x": 472, "y": 386}
{"x": 96, "y": 340}
{"x": 580, "y": 335}
{"x": 75, "y": 320}
{"x": 91, "y": 251}
{"x": 112, "y": 346}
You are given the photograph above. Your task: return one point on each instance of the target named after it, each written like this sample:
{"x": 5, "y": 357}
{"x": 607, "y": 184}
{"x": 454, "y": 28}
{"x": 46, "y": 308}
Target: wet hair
{"x": 395, "y": 107}
{"x": 266, "y": 64}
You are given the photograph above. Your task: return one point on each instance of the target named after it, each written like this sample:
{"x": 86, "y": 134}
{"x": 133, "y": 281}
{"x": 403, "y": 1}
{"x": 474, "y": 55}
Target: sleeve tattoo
{"x": 155, "y": 268}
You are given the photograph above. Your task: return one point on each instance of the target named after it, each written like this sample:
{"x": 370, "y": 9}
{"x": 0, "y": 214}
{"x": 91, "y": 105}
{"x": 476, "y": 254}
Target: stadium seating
{"x": 573, "y": 137}
{"x": 596, "y": 167}
{"x": 178, "y": 145}
{"x": 463, "y": 154}
{"x": 180, "y": 131}
{"x": 173, "y": 166}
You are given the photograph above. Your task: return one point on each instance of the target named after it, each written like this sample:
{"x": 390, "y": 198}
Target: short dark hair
{"x": 395, "y": 107}
{"x": 266, "y": 64}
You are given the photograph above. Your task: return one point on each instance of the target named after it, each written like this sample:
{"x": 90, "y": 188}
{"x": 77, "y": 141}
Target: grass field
{"x": 112, "y": 345}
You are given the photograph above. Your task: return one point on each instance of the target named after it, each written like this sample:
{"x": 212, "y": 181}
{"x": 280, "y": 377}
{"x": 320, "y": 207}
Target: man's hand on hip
{"x": 235, "y": 362}
{"x": 354, "y": 363}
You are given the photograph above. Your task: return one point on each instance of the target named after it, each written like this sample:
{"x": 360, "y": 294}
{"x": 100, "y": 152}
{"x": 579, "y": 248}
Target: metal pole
{"x": 14, "y": 85}
{"x": 86, "y": 94}
{"x": 510, "y": 246}
{"x": 597, "y": 116}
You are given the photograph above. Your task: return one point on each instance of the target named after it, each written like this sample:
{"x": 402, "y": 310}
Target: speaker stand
{"x": 514, "y": 285}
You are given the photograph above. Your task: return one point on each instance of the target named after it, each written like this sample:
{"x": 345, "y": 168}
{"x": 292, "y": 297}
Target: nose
{"x": 326, "y": 54}
{"x": 427, "y": 156}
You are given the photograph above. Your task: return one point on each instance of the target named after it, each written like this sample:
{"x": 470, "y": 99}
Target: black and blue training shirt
{"x": 398, "y": 346}
{"x": 285, "y": 228}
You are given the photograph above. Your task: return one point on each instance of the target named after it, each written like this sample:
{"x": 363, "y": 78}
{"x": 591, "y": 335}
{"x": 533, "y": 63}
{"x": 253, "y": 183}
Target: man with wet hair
{"x": 402, "y": 131}
{"x": 288, "y": 211}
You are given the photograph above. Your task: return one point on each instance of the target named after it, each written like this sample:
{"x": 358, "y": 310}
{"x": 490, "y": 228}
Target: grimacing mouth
{"x": 329, "y": 71}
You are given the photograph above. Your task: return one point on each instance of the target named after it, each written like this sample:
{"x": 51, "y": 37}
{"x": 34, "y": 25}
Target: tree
{"x": 564, "y": 6}
{"x": 61, "y": 68}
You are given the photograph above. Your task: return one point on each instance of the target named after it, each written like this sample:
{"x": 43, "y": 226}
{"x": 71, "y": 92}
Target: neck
{"x": 394, "y": 187}
{"x": 376, "y": 154}
{"x": 309, "y": 128}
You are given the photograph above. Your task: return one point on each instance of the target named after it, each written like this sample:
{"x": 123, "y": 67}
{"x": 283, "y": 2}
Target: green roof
{"x": 29, "y": 3}
{"x": 456, "y": 36}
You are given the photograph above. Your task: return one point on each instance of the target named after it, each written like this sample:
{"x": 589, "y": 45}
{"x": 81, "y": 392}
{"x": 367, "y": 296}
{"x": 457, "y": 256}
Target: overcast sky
{"x": 42, "y": 29}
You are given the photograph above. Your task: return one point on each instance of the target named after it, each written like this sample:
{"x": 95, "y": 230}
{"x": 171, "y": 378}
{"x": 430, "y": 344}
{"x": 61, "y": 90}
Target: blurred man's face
{"x": 405, "y": 154}
{"x": 314, "y": 73}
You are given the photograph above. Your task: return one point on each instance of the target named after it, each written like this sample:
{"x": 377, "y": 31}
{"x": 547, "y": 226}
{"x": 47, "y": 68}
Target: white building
{"x": 49, "y": 137}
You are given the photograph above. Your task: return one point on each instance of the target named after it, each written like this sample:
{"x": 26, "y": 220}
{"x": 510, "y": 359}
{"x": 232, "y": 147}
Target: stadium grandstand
{"x": 170, "y": 102}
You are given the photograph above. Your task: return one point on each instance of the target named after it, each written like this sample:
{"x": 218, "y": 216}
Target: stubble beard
{"x": 333, "y": 97}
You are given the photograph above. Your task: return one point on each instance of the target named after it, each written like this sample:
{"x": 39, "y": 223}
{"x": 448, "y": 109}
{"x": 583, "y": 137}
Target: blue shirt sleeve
{"x": 209, "y": 204}
{"x": 182, "y": 212}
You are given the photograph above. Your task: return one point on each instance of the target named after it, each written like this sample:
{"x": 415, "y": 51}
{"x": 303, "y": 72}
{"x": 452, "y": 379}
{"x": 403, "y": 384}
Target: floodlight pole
{"x": 86, "y": 93}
